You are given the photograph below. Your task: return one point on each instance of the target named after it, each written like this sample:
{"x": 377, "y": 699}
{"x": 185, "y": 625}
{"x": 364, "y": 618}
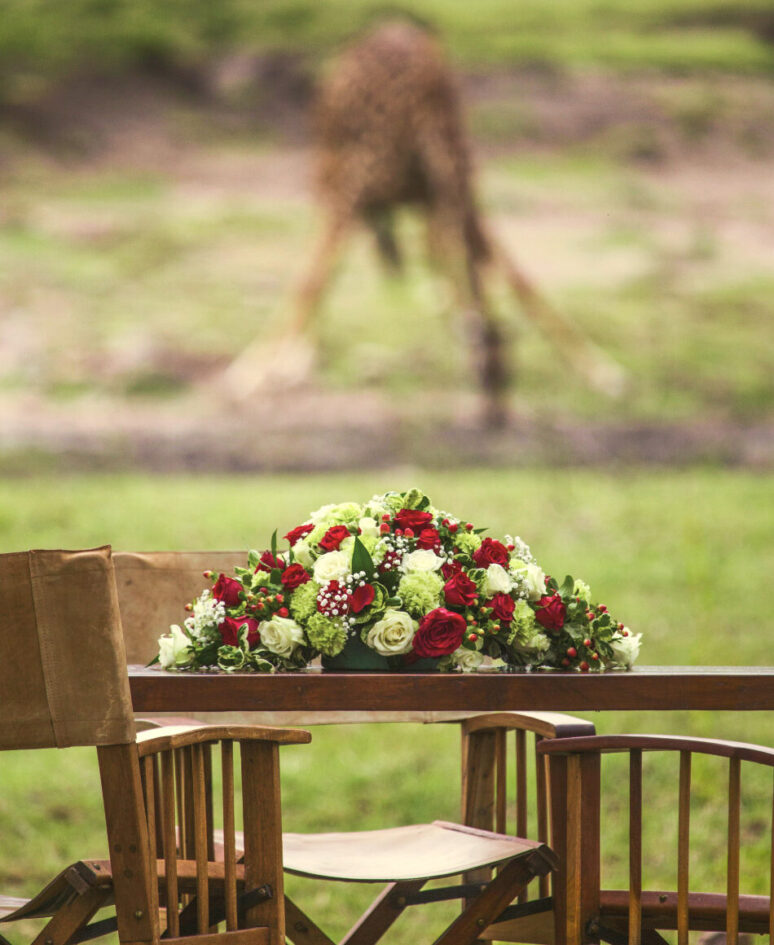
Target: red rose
{"x": 551, "y": 612}
{"x": 460, "y": 591}
{"x": 449, "y": 570}
{"x": 227, "y": 590}
{"x": 229, "y": 630}
{"x": 296, "y": 534}
{"x": 502, "y": 607}
{"x": 413, "y": 519}
{"x": 335, "y": 535}
{"x": 440, "y": 632}
{"x": 361, "y": 597}
{"x": 491, "y": 551}
{"x": 429, "y": 539}
{"x": 269, "y": 562}
{"x": 294, "y": 576}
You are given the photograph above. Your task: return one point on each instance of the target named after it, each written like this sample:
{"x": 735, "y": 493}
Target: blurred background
{"x": 156, "y": 213}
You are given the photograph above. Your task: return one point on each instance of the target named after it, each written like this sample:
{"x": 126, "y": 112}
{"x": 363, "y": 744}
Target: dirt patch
{"x": 317, "y": 430}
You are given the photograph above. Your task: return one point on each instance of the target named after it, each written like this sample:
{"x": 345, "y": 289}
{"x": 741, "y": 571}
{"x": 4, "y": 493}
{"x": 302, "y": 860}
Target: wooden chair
{"x": 636, "y": 915}
{"x": 63, "y": 682}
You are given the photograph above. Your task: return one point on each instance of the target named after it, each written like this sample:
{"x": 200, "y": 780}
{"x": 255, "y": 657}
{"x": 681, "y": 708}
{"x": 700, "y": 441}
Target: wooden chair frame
{"x": 636, "y": 915}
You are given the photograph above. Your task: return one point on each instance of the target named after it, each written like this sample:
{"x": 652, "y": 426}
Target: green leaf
{"x": 412, "y": 498}
{"x": 393, "y": 602}
{"x": 275, "y": 577}
{"x": 153, "y": 661}
{"x": 274, "y": 543}
{"x": 567, "y": 586}
{"x": 424, "y": 503}
{"x": 253, "y": 560}
{"x": 361, "y": 559}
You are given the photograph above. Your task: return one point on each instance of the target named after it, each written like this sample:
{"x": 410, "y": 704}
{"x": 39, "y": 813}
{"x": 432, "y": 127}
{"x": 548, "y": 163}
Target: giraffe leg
{"x": 288, "y": 357}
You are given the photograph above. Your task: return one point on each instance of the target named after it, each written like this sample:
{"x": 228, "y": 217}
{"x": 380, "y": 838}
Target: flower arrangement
{"x": 407, "y": 580}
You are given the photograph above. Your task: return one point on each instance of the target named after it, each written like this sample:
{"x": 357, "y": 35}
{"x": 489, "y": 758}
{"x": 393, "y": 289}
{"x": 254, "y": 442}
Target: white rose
{"x": 281, "y": 635}
{"x": 496, "y": 581}
{"x": 530, "y": 576}
{"x": 421, "y": 560}
{"x": 626, "y": 649}
{"x": 467, "y": 660}
{"x": 302, "y": 554}
{"x": 321, "y": 514}
{"x": 368, "y": 526}
{"x": 332, "y": 566}
{"x": 393, "y": 634}
{"x": 174, "y": 649}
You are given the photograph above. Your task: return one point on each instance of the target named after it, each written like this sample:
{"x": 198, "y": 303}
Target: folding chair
{"x": 635, "y": 915}
{"x": 63, "y": 682}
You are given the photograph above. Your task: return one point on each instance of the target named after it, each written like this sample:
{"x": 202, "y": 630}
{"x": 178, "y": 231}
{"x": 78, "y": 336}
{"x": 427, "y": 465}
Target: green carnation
{"x": 326, "y": 635}
{"x": 303, "y": 602}
{"x": 523, "y": 625}
{"x": 420, "y": 592}
{"x": 582, "y": 590}
{"x": 467, "y": 542}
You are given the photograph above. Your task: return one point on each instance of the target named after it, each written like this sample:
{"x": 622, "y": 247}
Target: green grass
{"x": 685, "y": 557}
{"x": 42, "y": 41}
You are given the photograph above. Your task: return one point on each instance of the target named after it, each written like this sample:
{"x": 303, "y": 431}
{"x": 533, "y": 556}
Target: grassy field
{"x": 684, "y": 557}
{"x": 683, "y": 35}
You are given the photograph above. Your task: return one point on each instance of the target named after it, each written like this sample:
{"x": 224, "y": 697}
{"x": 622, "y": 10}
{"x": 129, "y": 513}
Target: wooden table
{"x": 646, "y": 687}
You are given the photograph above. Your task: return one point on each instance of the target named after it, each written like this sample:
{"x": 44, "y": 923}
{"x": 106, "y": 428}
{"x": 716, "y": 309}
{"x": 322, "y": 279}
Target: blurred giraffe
{"x": 389, "y": 132}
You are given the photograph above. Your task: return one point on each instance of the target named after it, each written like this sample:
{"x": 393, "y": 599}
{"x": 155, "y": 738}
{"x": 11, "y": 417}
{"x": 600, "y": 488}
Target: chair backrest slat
{"x": 501, "y": 781}
{"x": 170, "y": 842}
{"x": 771, "y": 881}
{"x": 200, "y": 839}
{"x": 635, "y": 847}
{"x": 541, "y": 764}
{"x": 229, "y": 836}
{"x": 149, "y": 784}
{"x": 732, "y": 894}
{"x": 683, "y": 847}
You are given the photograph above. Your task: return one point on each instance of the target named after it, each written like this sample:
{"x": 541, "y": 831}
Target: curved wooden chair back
{"x": 636, "y": 915}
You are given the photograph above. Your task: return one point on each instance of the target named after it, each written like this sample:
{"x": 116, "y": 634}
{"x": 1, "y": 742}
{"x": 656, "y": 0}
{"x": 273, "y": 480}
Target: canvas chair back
{"x": 62, "y": 666}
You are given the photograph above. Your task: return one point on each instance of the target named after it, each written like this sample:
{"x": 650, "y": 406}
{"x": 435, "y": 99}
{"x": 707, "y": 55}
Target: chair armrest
{"x": 617, "y": 743}
{"x": 547, "y": 724}
{"x": 164, "y": 721}
{"x": 179, "y": 736}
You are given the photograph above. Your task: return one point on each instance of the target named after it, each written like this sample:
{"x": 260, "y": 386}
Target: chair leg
{"x": 72, "y": 918}
{"x": 485, "y": 908}
{"x": 383, "y": 912}
{"x": 300, "y": 929}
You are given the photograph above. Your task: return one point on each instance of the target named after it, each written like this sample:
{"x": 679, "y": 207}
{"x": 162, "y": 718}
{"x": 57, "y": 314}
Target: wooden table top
{"x": 644, "y": 688}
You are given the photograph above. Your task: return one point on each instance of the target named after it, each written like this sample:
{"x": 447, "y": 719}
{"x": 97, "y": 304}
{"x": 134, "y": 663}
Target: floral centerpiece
{"x": 400, "y": 582}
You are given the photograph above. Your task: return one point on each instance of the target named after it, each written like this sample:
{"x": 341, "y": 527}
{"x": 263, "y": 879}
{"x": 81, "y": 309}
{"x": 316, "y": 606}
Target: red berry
{"x": 620, "y": 626}
{"x": 511, "y": 547}
{"x": 469, "y": 526}
{"x": 584, "y": 667}
{"x": 189, "y": 607}
{"x": 259, "y": 605}
{"x": 385, "y": 517}
{"x": 602, "y": 609}
{"x": 595, "y": 656}
{"x": 453, "y": 527}
{"x": 587, "y": 642}
{"x": 472, "y": 637}
{"x": 409, "y": 533}
{"x": 283, "y": 611}
{"x": 384, "y": 529}
{"x": 565, "y": 662}
{"x": 571, "y": 651}
{"x": 264, "y": 590}
{"x": 624, "y": 633}
{"x": 474, "y": 623}
{"x": 399, "y": 531}
{"x": 590, "y": 615}
{"x": 208, "y": 574}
